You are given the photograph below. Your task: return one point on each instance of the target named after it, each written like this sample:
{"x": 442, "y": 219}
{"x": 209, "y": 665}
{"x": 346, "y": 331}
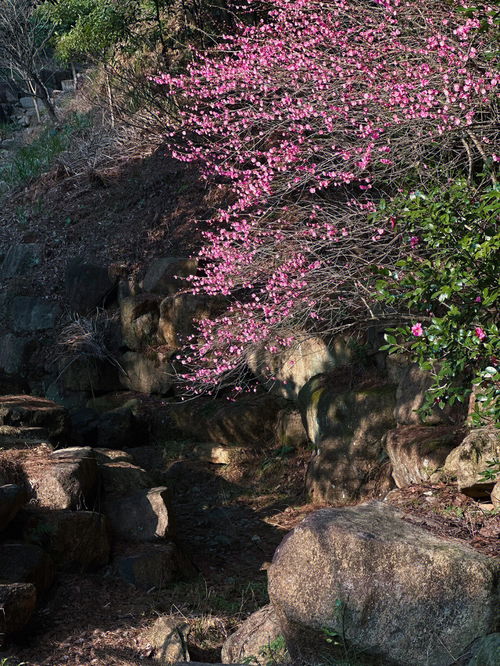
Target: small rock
{"x": 257, "y": 639}
{"x": 495, "y": 495}
{"x": 116, "y": 429}
{"x": 104, "y": 456}
{"x": 220, "y": 455}
{"x": 14, "y": 353}
{"x": 89, "y": 375}
{"x": 143, "y": 516}
{"x": 168, "y": 638}
{"x": 290, "y": 429}
{"x": 23, "y": 438}
{"x": 17, "y": 603}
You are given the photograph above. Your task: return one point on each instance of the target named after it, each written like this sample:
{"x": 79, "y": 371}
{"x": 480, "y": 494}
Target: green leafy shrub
{"x": 30, "y": 161}
{"x": 447, "y": 289}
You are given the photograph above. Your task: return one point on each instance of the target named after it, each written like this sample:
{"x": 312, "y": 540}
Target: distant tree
{"x": 24, "y": 38}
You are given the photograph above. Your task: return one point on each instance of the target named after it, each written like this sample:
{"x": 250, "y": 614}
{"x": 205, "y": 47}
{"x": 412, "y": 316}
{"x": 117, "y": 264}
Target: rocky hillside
{"x": 136, "y": 526}
{"x": 322, "y": 519}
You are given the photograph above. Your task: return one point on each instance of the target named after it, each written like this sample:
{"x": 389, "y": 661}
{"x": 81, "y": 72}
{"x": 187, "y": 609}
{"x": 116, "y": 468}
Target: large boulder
{"x": 257, "y": 639}
{"x": 166, "y": 275}
{"x": 384, "y": 588}
{"x": 68, "y": 480}
{"x": 142, "y": 516}
{"x": 348, "y": 429}
{"x": 27, "y": 410}
{"x": 410, "y": 397}
{"x": 17, "y": 603}
{"x": 290, "y": 431}
{"x": 88, "y": 375}
{"x": 76, "y": 540}
{"x": 30, "y": 313}
{"x": 329, "y": 407}
{"x": 139, "y": 320}
{"x": 147, "y": 373}
{"x": 468, "y": 463}
{"x": 417, "y": 453}
{"x": 249, "y": 421}
{"x": 26, "y": 563}
{"x": 285, "y": 372}
{"x": 109, "y": 430}
{"x": 20, "y": 259}
{"x": 88, "y": 286}
{"x": 486, "y": 651}
{"x": 12, "y": 498}
{"x": 179, "y": 313}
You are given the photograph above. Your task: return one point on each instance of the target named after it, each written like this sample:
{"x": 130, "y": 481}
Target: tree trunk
{"x": 43, "y": 94}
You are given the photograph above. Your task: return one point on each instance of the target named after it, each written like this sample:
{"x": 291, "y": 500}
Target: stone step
{"x": 30, "y": 411}
{"x": 12, "y": 437}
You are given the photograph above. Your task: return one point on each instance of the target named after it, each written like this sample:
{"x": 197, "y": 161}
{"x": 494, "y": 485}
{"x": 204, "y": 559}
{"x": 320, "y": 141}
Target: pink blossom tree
{"x": 309, "y": 118}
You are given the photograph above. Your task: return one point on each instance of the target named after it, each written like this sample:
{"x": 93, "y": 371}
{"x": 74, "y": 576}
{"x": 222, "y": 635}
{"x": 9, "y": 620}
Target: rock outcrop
{"x": 348, "y": 428}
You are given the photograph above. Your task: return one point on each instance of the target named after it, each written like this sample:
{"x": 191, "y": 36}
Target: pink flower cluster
{"x": 302, "y": 115}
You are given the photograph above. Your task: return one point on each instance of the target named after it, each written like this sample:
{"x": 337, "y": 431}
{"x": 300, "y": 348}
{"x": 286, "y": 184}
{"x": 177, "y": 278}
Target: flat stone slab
{"x": 22, "y": 438}
{"x": 27, "y": 410}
